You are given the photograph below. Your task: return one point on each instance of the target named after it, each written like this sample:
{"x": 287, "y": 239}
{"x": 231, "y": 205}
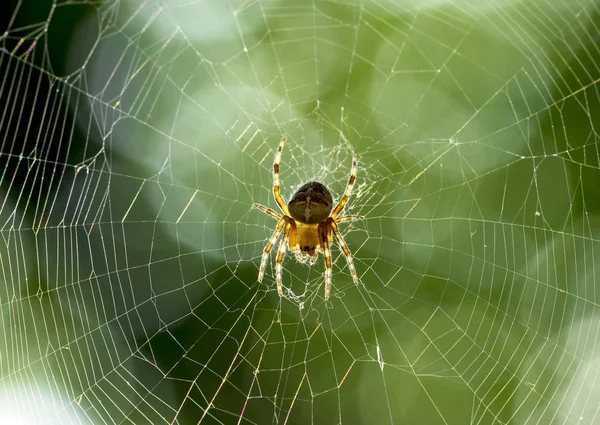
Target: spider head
{"x": 311, "y": 204}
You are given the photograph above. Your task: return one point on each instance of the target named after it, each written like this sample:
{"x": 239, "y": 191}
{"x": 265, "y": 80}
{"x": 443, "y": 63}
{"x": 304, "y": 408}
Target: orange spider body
{"x": 307, "y": 224}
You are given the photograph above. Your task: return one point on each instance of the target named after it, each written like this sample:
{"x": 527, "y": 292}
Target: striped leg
{"x": 349, "y": 218}
{"x": 276, "y": 191}
{"x": 280, "y": 253}
{"x": 265, "y": 255}
{"x": 346, "y": 251}
{"x": 340, "y": 206}
{"x": 267, "y": 211}
{"x": 324, "y": 235}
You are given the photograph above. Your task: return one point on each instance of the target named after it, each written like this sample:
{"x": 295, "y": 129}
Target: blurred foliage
{"x": 138, "y": 135}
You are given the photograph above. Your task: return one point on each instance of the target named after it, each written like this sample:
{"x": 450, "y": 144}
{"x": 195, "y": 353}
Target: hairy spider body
{"x": 308, "y": 222}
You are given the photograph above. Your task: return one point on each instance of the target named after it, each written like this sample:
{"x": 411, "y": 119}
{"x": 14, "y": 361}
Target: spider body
{"x": 308, "y": 222}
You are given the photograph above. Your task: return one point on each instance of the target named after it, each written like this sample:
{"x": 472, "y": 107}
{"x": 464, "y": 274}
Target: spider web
{"x": 137, "y": 135}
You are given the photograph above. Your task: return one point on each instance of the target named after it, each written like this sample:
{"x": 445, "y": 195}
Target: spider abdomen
{"x": 311, "y": 204}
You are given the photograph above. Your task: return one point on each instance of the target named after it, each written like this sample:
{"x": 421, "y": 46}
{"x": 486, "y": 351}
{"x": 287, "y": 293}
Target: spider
{"x": 307, "y": 224}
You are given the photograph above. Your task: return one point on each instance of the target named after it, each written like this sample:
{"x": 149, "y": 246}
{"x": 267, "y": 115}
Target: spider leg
{"x": 349, "y": 218}
{"x": 347, "y": 252}
{"x": 276, "y": 192}
{"x": 280, "y": 252}
{"x": 267, "y": 211}
{"x": 340, "y": 206}
{"x": 265, "y": 255}
{"x": 325, "y": 236}
{"x": 292, "y": 241}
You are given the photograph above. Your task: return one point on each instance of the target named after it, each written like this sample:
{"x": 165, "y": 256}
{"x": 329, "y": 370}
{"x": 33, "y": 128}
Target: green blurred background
{"x": 137, "y": 134}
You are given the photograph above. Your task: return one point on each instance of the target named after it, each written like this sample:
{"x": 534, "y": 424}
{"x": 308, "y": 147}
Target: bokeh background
{"x": 137, "y": 134}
